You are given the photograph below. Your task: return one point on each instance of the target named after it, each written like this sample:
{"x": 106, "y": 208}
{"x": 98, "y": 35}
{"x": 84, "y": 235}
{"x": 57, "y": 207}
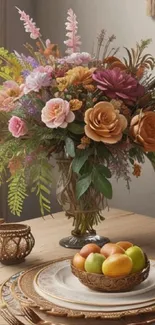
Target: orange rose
{"x": 104, "y": 123}
{"x": 143, "y": 130}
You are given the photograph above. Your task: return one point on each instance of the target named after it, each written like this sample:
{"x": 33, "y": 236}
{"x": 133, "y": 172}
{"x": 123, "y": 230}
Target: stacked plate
{"x": 53, "y": 289}
{"x": 59, "y": 286}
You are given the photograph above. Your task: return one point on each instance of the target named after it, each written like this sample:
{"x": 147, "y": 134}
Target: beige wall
{"x": 128, "y": 20}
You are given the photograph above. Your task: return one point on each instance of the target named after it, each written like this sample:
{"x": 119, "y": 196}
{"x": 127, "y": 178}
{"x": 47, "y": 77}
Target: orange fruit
{"x": 88, "y": 249}
{"x": 78, "y": 261}
{"x": 110, "y": 249}
{"x": 124, "y": 244}
{"x": 117, "y": 265}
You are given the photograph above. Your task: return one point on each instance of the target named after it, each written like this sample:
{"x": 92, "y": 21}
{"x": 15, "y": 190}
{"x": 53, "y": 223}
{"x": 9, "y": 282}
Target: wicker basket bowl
{"x": 16, "y": 242}
{"x": 99, "y": 282}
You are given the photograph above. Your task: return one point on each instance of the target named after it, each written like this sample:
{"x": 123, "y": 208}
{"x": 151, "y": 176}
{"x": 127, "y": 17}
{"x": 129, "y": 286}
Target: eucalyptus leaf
{"x": 82, "y": 185}
{"x": 76, "y": 128}
{"x": 70, "y": 148}
{"x": 80, "y": 159}
{"x": 104, "y": 171}
{"x": 101, "y": 183}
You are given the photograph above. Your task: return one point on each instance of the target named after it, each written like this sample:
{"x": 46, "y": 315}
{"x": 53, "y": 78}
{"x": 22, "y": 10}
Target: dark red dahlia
{"x": 118, "y": 84}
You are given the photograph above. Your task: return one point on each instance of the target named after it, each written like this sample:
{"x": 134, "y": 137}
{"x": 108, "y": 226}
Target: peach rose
{"x": 17, "y": 127}
{"x": 143, "y": 130}
{"x": 57, "y": 113}
{"x": 104, "y": 123}
{"x": 9, "y": 93}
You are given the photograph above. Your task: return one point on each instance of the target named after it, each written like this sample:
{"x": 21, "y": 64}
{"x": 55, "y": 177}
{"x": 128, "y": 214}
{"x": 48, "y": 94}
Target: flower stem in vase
{"x": 85, "y": 212}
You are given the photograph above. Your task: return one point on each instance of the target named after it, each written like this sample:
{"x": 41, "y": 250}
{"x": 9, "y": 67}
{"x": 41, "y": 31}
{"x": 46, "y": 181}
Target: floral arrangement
{"x": 96, "y": 109}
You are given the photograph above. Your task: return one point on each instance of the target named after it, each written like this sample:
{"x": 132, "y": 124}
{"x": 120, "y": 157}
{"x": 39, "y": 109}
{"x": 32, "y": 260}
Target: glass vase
{"x": 85, "y": 212}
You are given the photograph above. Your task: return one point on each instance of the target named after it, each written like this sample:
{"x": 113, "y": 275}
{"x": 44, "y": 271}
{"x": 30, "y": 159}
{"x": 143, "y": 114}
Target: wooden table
{"x": 118, "y": 225}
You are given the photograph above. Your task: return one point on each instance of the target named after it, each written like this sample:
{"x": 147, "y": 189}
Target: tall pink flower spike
{"x": 73, "y": 43}
{"x": 29, "y": 25}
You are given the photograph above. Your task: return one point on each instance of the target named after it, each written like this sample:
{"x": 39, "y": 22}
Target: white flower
{"x": 36, "y": 80}
{"x": 76, "y": 58}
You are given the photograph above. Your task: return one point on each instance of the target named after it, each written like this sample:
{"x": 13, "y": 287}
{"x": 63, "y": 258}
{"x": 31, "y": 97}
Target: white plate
{"x": 82, "y": 307}
{"x": 57, "y": 282}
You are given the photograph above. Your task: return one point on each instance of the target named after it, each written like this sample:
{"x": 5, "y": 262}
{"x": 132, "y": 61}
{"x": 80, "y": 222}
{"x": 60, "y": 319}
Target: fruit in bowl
{"x": 110, "y": 249}
{"x": 88, "y": 249}
{"x": 124, "y": 244}
{"x": 94, "y": 262}
{"x": 137, "y": 256}
{"x": 115, "y": 267}
{"x": 79, "y": 261}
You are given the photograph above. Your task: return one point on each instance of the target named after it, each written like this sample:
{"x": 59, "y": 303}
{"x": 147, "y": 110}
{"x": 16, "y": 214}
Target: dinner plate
{"x": 61, "y": 308}
{"x": 56, "y": 281}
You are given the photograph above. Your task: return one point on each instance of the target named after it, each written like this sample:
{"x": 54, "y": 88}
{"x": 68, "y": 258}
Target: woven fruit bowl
{"x": 100, "y": 282}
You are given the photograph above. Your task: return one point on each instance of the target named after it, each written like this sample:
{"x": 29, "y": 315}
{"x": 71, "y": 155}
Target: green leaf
{"x": 82, "y": 185}
{"x": 131, "y": 161}
{"x": 70, "y": 148}
{"x": 101, "y": 183}
{"x": 103, "y": 152}
{"x": 86, "y": 168}
{"x": 76, "y": 128}
{"x": 80, "y": 159}
{"x": 104, "y": 171}
{"x": 45, "y": 189}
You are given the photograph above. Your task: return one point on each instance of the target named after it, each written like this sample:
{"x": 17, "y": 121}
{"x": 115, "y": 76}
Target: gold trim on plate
{"x": 52, "y": 309}
{"x": 85, "y": 303}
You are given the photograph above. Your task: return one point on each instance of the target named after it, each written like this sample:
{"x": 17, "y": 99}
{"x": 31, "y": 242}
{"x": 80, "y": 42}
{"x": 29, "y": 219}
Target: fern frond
{"x": 17, "y": 192}
{"x": 5, "y": 76}
{"x": 9, "y": 65}
{"x": 2, "y": 170}
{"x": 4, "y": 160}
{"x": 41, "y": 174}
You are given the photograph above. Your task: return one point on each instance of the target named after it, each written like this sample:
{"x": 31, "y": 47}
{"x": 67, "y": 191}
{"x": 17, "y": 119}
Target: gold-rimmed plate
{"x": 56, "y": 281}
{"x": 59, "y": 308}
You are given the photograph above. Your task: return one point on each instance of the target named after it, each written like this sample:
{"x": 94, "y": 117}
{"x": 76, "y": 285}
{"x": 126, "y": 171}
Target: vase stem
{"x": 85, "y": 212}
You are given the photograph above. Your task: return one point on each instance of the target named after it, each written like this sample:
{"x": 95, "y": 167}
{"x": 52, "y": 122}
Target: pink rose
{"x": 17, "y": 127}
{"x": 57, "y": 113}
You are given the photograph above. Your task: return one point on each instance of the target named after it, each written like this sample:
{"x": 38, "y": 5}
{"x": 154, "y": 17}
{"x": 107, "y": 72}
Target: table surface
{"x": 118, "y": 225}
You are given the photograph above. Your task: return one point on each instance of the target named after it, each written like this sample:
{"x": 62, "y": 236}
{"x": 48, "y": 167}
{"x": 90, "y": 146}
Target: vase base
{"x": 78, "y": 242}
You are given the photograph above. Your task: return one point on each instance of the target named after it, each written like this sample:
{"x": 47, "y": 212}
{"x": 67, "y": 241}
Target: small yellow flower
{"x": 85, "y": 141}
{"x": 75, "y": 104}
{"x": 76, "y": 76}
{"x": 90, "y": 88}
{"x": 137, "y": 170}
{"x": 62, "y": 83}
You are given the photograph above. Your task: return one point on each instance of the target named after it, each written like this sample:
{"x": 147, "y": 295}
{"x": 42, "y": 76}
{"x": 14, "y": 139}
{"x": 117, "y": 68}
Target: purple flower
{"x": 32, "y": 110}
{"x": 118, "y": 84}
{"x": 25, "y": 73}
{"x": 34, "y": 64}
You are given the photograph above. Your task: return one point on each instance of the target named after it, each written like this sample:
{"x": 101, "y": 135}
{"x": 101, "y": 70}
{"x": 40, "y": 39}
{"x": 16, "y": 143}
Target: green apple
{"x": 138, "y": 258}
{"x": 93, "y": 263}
